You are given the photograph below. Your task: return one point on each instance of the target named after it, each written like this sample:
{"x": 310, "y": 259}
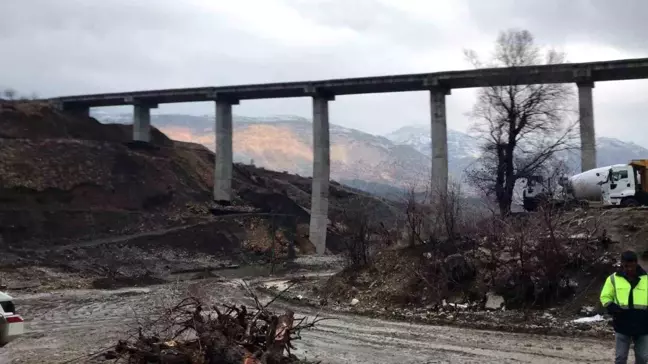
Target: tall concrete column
{"x": 142, "y": 122}
{"x": 224, "y": 153}
{"x": 586, "y": 120}
{"x": 439, "y": 131}
{"x": 321, "y": 173}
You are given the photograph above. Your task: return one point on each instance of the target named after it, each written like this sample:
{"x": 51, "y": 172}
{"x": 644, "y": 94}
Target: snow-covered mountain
{"x": 612, "y": 151}
{"x": 419, "y": 136}
{"x": 463, "y": 149}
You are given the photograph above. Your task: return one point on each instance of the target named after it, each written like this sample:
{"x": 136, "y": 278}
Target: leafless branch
{"x": 522, "y": 127}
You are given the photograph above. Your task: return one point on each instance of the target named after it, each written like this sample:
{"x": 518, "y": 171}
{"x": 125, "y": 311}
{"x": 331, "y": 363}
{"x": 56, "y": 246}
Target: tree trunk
{"x": 500, "y": 179}
{"x": 509, "y": 167}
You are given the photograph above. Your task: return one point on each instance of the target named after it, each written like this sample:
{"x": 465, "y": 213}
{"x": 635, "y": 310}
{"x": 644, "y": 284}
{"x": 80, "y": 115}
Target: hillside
{"x": 68, "y": 183}
{"x": 383, "y": 165}
{"x": 285, "y": 144}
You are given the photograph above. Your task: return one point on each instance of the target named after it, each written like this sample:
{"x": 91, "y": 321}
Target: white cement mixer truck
{"x": 577, "y": 190}
{"x": 615, "y": 185}
{"x": 586, "y": 186}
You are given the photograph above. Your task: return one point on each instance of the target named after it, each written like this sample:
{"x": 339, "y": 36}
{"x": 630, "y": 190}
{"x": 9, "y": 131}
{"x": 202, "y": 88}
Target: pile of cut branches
{"x": 193, "y": 333}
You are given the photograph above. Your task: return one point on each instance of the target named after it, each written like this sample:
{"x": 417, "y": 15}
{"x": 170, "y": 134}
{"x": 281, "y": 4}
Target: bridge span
{"x": 438, "y": 84}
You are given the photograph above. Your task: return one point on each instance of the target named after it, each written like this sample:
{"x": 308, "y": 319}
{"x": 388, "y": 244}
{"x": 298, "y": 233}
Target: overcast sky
{"x": 60, "y": 47}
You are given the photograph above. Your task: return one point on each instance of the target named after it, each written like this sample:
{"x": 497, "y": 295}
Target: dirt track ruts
{"x": 68, "y": 324}
{"x": 160, "y": 232}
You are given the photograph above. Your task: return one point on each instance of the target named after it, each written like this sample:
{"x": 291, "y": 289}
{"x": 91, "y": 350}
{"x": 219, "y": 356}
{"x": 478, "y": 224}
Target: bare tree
{"x": 450, "y": 206}
{"x": 434, "y": 214}
{"x": 417, "y": 215}
{"x": 9, "y": 94}
{"x": 363, "y": 231}
{"x": 522, "y": 126}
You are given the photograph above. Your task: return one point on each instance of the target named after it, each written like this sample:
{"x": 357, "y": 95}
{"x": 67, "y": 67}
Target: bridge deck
{"x": 563, "y": 73}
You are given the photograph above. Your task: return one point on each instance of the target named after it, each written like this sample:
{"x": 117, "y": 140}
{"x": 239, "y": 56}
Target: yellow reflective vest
{"x": 617, "y": 290}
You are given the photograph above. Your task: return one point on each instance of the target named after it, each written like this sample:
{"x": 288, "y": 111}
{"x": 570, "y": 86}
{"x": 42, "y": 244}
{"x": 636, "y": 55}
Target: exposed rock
{"x": 587, "y": 311}
{"x": 493, "y": 301}
{"x": 354, "y": 302}
{"x": 548, "y": 316}
{"x": 459, "y": 267}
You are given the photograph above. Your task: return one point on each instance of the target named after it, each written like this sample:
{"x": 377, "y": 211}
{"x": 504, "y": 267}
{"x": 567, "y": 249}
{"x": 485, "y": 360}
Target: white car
{"x": 11, "y": 324}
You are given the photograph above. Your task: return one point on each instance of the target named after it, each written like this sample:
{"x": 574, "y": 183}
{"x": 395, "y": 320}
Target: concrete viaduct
{"x": 439, "y": 84}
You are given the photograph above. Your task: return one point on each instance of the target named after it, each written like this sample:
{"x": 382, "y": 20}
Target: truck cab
{"x": 626, "y": 184}
{"x": 534, "y": 192}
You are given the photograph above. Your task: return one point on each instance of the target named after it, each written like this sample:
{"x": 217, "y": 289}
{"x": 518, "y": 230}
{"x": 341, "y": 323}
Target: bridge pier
{"x": 586, "y": 120}
{"x": 439, "y": 130}
{"x": 142, "y": 122}
{"x": 223, "y": 165}
{"x": 321, "y": 172}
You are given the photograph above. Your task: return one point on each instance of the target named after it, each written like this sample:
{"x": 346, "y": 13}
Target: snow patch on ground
{"x": 279, "y": 285}
{"x": 596, "y": 318}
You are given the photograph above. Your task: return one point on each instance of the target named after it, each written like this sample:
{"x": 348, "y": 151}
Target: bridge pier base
{"x": 586, "y": 120}
{"x": 439, "y": 129}
{"x": 142, "y": 122}
{"x": 223, "y": 166}
{"x": 321, "y": 172}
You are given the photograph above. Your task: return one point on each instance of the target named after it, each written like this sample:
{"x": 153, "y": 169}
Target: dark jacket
{"x": 630, "y": 321}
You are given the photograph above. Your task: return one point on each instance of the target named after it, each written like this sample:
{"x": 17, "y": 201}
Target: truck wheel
{"x": 629, "y": 202}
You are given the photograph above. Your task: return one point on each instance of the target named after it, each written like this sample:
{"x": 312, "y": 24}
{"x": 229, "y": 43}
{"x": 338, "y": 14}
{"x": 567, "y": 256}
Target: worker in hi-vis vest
{"x": 625, "y": 296}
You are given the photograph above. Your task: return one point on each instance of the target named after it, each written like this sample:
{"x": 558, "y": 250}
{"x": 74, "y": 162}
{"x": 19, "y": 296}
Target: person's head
{"x": 629, "y": 262}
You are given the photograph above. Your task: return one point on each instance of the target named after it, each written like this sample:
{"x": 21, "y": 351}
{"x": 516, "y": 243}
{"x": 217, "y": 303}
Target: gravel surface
{"x": 68, "y": 325}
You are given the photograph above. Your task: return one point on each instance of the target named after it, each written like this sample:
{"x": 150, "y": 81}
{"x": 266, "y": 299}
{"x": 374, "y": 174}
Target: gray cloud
{"x": 87, "y": 46}
{"x": 374, "y": 18}
{"x": 620, "y": 24}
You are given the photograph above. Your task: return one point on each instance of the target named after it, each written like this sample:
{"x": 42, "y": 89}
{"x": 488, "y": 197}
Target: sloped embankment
{"x": 68, "y": 180}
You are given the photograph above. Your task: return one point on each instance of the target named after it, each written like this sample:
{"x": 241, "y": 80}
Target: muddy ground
{"x": 567, "y": 320}
{"x": 65, "y": 326}
{"x": 157, "y": 256}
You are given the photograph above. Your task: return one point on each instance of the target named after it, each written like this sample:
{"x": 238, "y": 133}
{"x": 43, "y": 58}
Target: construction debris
{"x": 195, "y": 333}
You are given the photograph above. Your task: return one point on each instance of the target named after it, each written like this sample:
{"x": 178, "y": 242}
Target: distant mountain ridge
{"x": 464, "y": 149}
{"x": 284, "y": 143}
{"x": 386, "y": 164}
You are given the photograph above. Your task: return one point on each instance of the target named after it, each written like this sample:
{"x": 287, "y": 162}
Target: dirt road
{"x": 70, "y": 324}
